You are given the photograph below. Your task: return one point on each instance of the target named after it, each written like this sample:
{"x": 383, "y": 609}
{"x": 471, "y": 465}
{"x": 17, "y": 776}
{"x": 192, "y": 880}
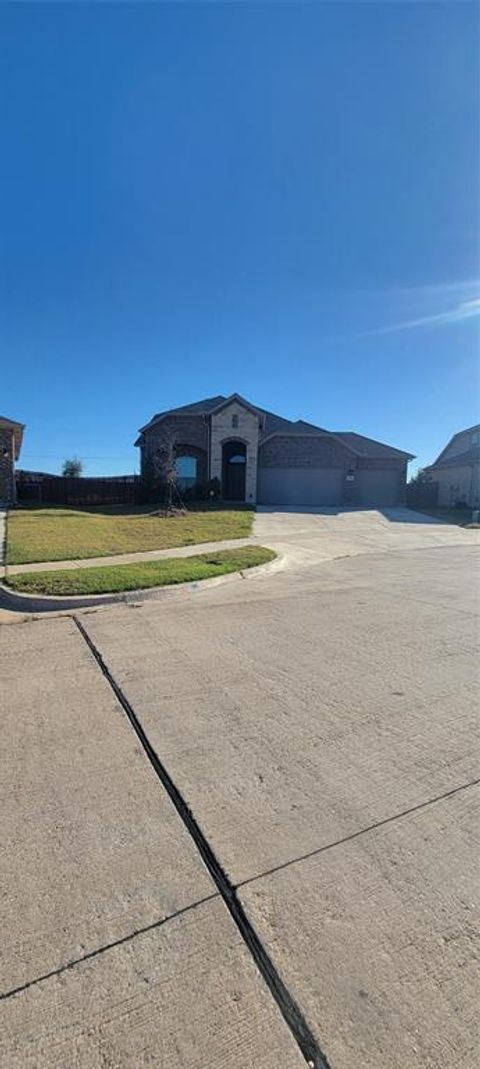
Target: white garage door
{"x": 300, "y": 486}
{"x": 377, "y": 487}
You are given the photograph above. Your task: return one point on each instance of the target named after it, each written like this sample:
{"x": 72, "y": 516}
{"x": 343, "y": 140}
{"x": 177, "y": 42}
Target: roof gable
{"x": 469, "y": 456}
{"x": 455, "y": 439}
{"x": 17, "y": 430}
{"x": 239, "y": 400}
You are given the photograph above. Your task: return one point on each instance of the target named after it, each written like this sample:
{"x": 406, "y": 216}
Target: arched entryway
{"x": 234, "y": 461}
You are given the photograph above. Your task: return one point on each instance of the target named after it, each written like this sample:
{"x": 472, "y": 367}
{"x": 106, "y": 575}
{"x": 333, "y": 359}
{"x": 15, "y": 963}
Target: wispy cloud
{"x": 464, "y": 288}
{"x": 460, "y": 312}
{"x": 371, "y": 313}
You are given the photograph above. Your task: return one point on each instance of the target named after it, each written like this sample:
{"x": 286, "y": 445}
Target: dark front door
{"x": 234, "y": 464}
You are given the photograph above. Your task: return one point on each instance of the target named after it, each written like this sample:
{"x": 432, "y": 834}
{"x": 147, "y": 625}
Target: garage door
{"x": 300, "y": 486}
{"x": 377, "y": 487}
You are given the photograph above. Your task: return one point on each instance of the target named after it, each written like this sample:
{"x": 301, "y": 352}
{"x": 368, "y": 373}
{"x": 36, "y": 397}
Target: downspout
{"x": 14, "y": 481}
{"x": 209, "y": 425}
{"x": 472, "y": 502}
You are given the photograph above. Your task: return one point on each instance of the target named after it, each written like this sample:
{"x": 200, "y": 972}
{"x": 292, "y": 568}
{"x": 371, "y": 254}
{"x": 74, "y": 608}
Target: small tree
{"x": 420, "y": 478}
{"x": 165, "y": 464}
{"x": 149, "y": 481}
{"x": 72, "y": 468}
{"x": 161, "y": 474}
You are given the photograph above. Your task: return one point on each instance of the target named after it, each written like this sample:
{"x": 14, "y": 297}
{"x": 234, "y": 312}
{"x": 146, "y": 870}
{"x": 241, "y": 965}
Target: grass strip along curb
{"x": 116, "y": 578}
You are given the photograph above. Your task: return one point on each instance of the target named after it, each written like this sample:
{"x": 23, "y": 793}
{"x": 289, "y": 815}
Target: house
{"x": 259, "y": 457}
{"x": 457, "y": 469}
{"x": 11, "y": 435}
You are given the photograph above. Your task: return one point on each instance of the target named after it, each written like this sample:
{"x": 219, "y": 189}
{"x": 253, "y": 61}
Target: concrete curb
{"x": 27, "y": 603}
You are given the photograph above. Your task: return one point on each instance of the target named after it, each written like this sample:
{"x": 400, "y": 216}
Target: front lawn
{"x": 45, "y": 534}
{"x": 114, "y": 578}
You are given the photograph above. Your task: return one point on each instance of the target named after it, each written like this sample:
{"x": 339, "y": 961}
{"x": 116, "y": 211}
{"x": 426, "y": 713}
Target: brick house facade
{"x": 11, "y": 435}
{"x": 259, "y": 457}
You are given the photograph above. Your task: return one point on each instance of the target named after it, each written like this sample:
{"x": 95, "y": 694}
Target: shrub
{"x": 205, "y": 490}
{"x": 150, "y": 488}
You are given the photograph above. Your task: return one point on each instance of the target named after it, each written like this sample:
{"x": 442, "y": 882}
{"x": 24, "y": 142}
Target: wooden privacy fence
{"x": 422, "y": 495}
{"x": 58, "y": 490}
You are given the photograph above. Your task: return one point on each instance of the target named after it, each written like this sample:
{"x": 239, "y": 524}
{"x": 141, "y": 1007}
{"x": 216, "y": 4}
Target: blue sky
{"x": 276, "y": 199}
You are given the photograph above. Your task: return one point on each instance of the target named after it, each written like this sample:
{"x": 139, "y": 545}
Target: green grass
{"x": 451, "y": 515}
{"x": 46, "y": 534}
{"x": 115, "y": 578}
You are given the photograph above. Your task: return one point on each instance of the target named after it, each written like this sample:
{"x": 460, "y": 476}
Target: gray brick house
{"x": 260, "y": 457}
{"x": 11, "y": 435}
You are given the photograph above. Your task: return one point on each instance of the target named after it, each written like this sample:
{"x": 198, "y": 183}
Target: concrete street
{"x": 320, "y": 723}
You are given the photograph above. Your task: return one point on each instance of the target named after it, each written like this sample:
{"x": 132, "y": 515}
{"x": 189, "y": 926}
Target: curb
{"x": 28, "y": 603}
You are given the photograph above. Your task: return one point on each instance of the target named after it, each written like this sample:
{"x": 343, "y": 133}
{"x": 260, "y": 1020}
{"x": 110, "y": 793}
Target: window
{"x": 475, "y": 439}
{"x": 237, "y": 459}
{"x": 186, "y": 469}
{"x": 235, "y": 421}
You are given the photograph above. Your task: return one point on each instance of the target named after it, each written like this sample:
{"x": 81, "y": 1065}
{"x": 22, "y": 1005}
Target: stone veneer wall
{"x": 247, "y": 430}
{"x": 7, "y": 480}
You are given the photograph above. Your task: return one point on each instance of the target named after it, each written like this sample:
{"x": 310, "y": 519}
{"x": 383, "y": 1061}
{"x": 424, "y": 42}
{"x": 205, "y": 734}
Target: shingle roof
{"x": 273, "y": 424}
{"x": 470, "y": 456}
{"x": 18, "y": 429}
{"x": 459, "y": 434}
{"x": 197, "y": 408}
{"x": 369, "y": 447}
{"x": 467, "y": 430}
{"x": 309, "y": 428}
{"x": 11, "y": 422}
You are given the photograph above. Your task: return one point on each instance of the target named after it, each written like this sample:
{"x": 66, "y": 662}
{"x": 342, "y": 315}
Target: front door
{"x": 234, "y": 465}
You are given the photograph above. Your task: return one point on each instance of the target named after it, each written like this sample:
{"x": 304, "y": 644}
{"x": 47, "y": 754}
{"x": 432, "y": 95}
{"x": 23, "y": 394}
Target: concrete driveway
{"x": 242, "y": 822}
{"x": 311, "y": 535}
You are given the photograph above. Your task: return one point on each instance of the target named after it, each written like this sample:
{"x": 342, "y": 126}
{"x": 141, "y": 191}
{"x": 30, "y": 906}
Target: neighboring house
{"x": 457, "y": 469}
{"x": 11, "y": 435}
{"x": 23, "y": 475}
{"x": 260, "y": 457}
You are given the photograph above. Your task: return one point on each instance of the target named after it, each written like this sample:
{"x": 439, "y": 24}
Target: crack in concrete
{"x": 357, "y": 834}
{"x": 285, "y": 1002}
{"x": 104, "y": 948}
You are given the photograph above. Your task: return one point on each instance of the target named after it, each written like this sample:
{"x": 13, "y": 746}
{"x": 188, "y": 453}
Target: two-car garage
{"x": 367, "y": 488}
{"x": 320, "y": 468}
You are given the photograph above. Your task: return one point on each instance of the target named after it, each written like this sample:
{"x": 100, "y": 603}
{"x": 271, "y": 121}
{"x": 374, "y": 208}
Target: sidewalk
{"x": 117, "y": 947}
{"x": 125, "y": 558}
